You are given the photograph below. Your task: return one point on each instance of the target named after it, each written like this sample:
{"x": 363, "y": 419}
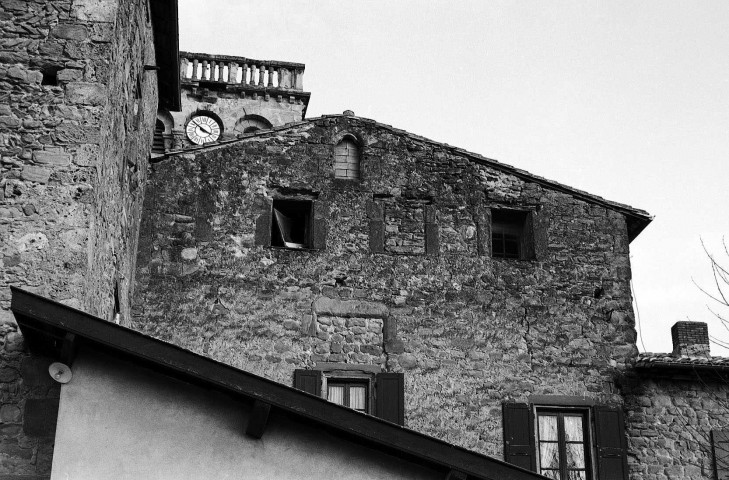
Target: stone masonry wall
{"x": 669, "y": 423}
{"x": 469, "y": 331}
{"x": 76, "y": 119}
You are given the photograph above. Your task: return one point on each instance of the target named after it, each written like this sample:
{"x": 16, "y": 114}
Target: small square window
{"x": 511, "y": 234}
{"x": 291, "y": 224}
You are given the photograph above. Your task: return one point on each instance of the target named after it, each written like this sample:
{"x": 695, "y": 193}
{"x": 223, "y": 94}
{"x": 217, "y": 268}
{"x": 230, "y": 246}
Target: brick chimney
{"x": 690, "y": 339}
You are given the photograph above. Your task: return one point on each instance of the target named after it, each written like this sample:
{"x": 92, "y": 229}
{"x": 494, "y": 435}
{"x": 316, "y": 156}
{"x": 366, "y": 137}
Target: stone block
{"x": 70, "y": 32}
{"x": 51, "y": 158}
{"x": 86, "y": 155}
{"x": 94, "y": 10}
{"x": 9, "y": 121}
{"x": 349, "y": 308}
{"x": 69, "y": 75}
{"x": 85, "y": 93}
{"x": 32, "y": 173}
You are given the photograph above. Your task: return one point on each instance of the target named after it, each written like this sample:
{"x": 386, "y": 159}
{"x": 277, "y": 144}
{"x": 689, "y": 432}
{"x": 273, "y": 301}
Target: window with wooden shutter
{"x": 390, "y": 397}
{"x": 612, "y": 462}
{"x": 720, "y": 448}
{"x": 519, "y": 435}
{"x": 308, "y": 380}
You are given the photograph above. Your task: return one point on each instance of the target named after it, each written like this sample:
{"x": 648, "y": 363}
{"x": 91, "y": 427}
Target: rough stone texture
{"x": 669, "y": 423}
{"x": 68, "y": 73}
{"x": 470, "y": 331}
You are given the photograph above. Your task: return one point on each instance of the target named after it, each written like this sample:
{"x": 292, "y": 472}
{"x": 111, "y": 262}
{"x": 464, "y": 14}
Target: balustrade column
{"x": 233, "y": 72}
{"x": 270, "y": 76}
{"x": 183, "y": 67}
{"x": 195, "y": 63}
{"x": 261, "y": 76}
{"x": 244, "y": 79}
{"x": 204, "y": 75}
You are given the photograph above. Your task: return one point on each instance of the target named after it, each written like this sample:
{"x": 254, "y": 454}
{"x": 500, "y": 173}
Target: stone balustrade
{"x": 247, "y": 72}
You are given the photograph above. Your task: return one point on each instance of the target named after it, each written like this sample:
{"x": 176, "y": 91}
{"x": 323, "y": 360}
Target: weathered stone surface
{"x": 348, "y": 308}
{"x": 86, "y": 93}
{"x": 32, "y": 173}
{"x": 51, "y": 158}
{"x": 70, "y": 32}
{"x": 95, "y": 10}
{"x": 47, "y": 202}
{"x": 469, "y": 331}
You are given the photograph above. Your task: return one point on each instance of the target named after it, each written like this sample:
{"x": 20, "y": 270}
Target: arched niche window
{"x": 158, "y": 143}
{"x": 252, "y": 123}
{"x": 347, "y": 159}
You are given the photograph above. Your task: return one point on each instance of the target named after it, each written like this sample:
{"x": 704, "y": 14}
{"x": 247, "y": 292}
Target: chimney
{"x": 690, "y": 339}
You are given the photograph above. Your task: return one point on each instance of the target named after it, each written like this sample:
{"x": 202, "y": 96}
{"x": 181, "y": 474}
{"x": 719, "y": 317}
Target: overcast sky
{"x": 627, "y": 100}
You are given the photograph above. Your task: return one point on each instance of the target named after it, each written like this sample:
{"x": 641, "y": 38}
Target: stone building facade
{"x": 338, "y": 254}
{"x": 77, "y": 108}
{"x": 397, "y": 271}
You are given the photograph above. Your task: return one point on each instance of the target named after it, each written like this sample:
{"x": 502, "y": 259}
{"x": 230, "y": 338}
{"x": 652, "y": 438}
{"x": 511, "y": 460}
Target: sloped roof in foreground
{"x": 636, "y": 218}
{"x": 48, "y": 325}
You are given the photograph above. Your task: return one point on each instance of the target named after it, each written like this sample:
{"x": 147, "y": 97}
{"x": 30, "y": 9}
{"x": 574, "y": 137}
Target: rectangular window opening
{"x": 509, "y": 237}
{"x": 563, "y": 444}
{"x": 291, "y": 224}
{"x": 352, "y": 394}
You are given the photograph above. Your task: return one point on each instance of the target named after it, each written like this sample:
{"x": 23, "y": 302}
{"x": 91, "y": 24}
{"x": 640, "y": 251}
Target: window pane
{"x": 573, "y": 428}
{"x": 549, "y": 455}
{"x": 548, "y": 427}
{"x": 577, "y": 475}
{"x": 357, "y": 397}
{"x": 575, "y": 455}
{"x": 335, "y": 394}
{"x": 551, "y": 474}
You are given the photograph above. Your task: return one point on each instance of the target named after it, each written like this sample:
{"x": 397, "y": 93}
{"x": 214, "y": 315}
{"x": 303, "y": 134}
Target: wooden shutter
{"x": 375, "y": 214}
{"x": 720, "y": 448}
{"x": 519, "y": 435}
{"x": 432, "y": 240}
{"x": 319, "y": 227}
{"x": 612, "y": 461}
{"x": 308, "y": 380}
{"x": 527, "y": 239}
{"x": 263, "y": 226}
{"x": 390, "y": 397}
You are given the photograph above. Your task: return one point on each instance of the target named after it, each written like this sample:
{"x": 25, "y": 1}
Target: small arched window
{"x": 158, "y": 143}
{"x": 346, "y": 160}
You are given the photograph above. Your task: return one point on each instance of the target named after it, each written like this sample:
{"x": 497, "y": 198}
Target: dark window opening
{"x": 50, "y": 76}
{"x": 117, "y": 304}
{"x": 291, "y": 224}
{"x": 562, "y": 438}
{"x": 352, "y": 394}
{"x": 509, "y": 237}
{"x": 158, "y": 142}
{"x": 251, "y": 129}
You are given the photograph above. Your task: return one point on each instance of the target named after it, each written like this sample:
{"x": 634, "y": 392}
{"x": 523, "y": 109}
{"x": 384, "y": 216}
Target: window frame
{"x": 351, "y": 378}
{"x": 356, "y": 156}
{"x": 520, "y": 229}
{"x": 308, "y": 221}
{"x": 587, "y": 435}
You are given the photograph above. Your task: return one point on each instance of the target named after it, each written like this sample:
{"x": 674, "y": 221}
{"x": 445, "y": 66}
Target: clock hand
{"x": 205, "y": 129}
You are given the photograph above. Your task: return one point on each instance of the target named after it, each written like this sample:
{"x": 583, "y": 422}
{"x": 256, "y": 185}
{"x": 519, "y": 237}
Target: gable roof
{"x": 636, "y": 218}
{"x": 45, "y": 324}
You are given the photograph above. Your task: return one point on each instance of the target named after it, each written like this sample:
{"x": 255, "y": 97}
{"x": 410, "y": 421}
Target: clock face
{"x": 202, "y": 129}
